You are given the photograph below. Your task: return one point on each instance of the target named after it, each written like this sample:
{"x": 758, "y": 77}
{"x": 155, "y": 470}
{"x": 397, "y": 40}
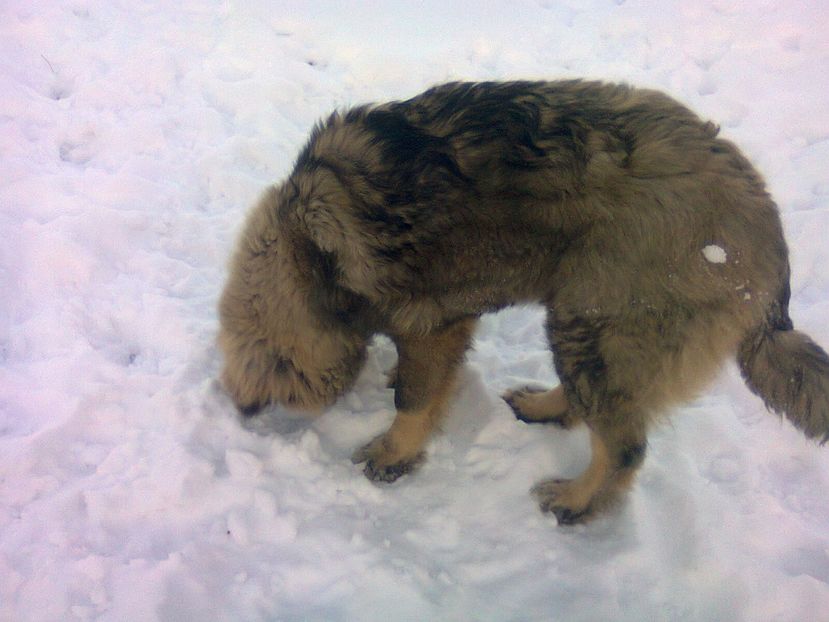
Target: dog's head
{"x": 277, "y": 348}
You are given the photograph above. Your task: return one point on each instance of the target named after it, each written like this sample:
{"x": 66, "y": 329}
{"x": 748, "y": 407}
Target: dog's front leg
{"x": 426, "y": 369}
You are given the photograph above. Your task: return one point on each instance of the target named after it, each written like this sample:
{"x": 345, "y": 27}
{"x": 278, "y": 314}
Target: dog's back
{"x": 599, "y": 197}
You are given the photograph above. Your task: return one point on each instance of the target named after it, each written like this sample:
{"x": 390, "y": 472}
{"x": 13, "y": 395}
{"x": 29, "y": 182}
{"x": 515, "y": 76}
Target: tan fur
{"x": 598, "y": 201}
{"x": 537, "y": 406}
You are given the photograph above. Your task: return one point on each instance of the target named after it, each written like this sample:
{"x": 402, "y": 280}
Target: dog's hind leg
{"x": 610, "y": 369}
{"x": 617, "y": 452}
{"x": 425, "y": 373}
{"x": 532, "y": 405}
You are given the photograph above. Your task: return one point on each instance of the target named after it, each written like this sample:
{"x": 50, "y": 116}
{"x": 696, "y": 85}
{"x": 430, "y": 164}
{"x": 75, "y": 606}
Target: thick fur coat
{"x": 651, "y": 242}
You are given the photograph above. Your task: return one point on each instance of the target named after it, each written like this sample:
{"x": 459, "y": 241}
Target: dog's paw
{"x": 382, "y": 464}
{"x": 515, "y": 398}
{"x": 390, "y": 472}
{"x": 558, "y": 497}
{"x": 529, "y": 405}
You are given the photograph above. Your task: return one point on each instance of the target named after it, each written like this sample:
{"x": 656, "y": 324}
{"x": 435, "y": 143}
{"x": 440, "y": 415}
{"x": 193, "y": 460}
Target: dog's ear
{"x": 322, "y": 209}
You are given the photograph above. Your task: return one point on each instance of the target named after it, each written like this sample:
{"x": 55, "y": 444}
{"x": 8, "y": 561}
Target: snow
{"x": 714, "y": 254}
{"x": 133, "y": 138}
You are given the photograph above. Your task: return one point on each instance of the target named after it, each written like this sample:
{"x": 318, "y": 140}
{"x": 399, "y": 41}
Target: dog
{"x": 651, "y": 242}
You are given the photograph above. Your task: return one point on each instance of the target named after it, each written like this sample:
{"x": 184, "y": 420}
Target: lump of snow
{"x": 714, "y": 254}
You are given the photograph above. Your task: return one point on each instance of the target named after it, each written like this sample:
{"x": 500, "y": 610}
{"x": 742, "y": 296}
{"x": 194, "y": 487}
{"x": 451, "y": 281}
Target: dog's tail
{"x": 789, "y": 371}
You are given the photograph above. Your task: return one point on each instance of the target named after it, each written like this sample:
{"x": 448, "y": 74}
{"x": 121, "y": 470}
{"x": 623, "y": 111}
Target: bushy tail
{"x": 791, "y": 373}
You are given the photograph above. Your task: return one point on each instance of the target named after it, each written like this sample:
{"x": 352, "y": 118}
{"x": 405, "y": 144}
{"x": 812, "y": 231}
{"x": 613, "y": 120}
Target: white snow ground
{"x": 133, "y": 138}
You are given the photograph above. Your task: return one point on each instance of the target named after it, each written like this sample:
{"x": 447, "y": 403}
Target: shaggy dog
{"x": 652, "y": 244}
